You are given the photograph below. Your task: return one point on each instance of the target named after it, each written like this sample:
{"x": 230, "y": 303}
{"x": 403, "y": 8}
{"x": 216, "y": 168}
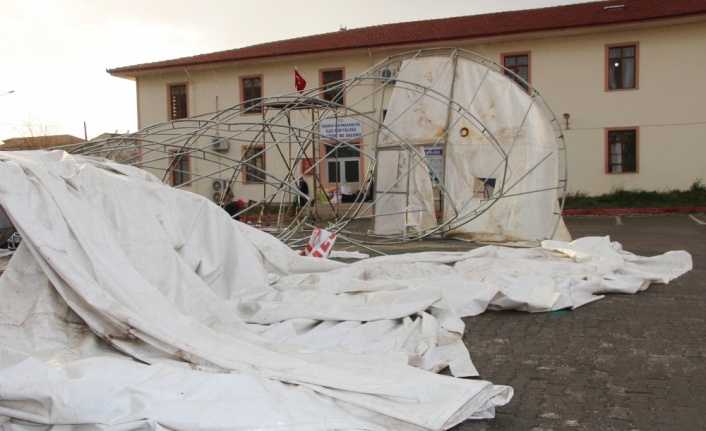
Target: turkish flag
{"x": 299, "y": 81}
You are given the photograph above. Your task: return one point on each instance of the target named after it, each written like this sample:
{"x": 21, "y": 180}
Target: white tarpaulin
{"x": 492, "y": 135}
{"x": 130, "y": 304}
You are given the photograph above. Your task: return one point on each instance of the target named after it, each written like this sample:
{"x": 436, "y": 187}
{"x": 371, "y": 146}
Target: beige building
{"x": 624, "y": 77}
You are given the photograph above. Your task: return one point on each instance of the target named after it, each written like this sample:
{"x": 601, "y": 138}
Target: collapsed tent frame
{"x": 289, "y": 132}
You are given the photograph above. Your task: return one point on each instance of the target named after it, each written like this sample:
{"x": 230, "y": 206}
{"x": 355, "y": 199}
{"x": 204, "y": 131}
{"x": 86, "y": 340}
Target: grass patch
{"x": 619, "y": 198}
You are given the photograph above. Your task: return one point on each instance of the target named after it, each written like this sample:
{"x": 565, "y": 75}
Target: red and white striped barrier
{"x": 320, "y": 243}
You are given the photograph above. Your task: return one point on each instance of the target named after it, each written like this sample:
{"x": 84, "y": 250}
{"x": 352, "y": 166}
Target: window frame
{"x": 175, "y": 159}
{"x": 247, "y": 176}
{"x": 254, "y": 109}
{"x": 505, "y": 55}
{"x": 170, "y": 100}
{"x": 636, "y": 77}
{"x": 608, "y": 164}
{"x": 325, "y": 84}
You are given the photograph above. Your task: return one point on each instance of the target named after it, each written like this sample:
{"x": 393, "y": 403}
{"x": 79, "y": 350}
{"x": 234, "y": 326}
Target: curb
{"x": 633, "y": 211}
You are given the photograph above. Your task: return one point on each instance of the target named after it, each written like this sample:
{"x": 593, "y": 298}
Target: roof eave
{"x": 131, "y": 72}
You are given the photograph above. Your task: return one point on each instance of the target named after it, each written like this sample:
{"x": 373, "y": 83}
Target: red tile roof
{"x": 577, "y": 16}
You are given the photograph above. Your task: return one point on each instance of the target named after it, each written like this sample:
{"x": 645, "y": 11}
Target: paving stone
{"x": 626, "y": 362}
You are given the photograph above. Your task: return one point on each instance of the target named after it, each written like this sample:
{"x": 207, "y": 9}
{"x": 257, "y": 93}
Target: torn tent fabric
{"x": 499, "y": 151}
{"x": 130, "y": 304}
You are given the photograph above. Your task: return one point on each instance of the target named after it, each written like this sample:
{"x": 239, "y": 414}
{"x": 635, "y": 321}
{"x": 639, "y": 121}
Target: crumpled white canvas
{"x": 133, "y": 305}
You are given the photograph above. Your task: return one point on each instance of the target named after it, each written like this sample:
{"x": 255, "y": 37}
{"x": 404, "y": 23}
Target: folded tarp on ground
{"x": 131, "y": 304}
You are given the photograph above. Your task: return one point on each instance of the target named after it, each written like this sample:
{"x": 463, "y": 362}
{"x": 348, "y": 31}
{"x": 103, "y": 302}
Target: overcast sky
{"x": 54, "y": 53}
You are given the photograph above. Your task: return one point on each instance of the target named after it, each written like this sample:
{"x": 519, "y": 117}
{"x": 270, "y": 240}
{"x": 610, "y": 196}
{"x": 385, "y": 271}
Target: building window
{"x": 330, "y": 80}
{"x": 622, "y": 151}
{"x": 342, "y": 164}
{"x": 179, "y": 168}
{"x": 519, "y": 64}
{"x": 622, "y": 67}
{"x": 251, "y": 93}
{"x": 177, "y": 102}
{"x": 254, "y": 164}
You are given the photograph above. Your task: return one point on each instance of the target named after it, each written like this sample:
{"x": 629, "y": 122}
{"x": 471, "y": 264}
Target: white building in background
{"x": 624, "y": 76}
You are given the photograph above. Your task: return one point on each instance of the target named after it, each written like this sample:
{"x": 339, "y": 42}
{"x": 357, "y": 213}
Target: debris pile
{"x": 132, "y": 304}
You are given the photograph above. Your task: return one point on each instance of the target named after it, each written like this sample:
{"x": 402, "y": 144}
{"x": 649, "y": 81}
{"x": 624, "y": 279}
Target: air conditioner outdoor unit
{"x": 388, "y": 73}
{"x": 218, "y": 185}
{"x": 220, "y": 144}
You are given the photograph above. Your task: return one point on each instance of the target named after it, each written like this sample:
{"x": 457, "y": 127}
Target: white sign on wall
{"x": 346, "y": 128}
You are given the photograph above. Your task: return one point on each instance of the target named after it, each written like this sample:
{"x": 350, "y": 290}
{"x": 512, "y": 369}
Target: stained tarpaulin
{"x": 130, "y": 304}
{"x": 492, "y": 135}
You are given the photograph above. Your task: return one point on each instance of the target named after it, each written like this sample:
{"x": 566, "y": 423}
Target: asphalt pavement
{"x": 626, "y": 362}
